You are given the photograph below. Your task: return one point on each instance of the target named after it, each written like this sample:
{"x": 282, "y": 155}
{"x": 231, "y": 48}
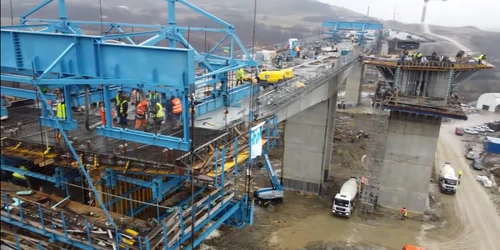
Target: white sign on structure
{"x": 256, "y": 140}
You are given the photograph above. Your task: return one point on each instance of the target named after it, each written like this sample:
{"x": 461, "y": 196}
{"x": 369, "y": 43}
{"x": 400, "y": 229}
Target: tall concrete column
{"x": 408, "y": 161}
{"x": 308, "y": 146}
{"x": 354, "y": 82}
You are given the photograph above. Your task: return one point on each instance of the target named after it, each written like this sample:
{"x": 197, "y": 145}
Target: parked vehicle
{"x": 478, "y": 129}
{"x": 469, "y": 154}
{"x": 459, "y": 131}
{"x": 448, "y": 181}
{"x": 470, "y": 131}
{"x": 477, "y": 164}
{"x": 487, "y": 129}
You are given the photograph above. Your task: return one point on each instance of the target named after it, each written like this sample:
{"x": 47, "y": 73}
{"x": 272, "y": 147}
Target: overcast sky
{"x": 484, "y": 14}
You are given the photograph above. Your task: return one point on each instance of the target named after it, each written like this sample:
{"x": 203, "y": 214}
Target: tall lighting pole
{"x": 424, "y": 10}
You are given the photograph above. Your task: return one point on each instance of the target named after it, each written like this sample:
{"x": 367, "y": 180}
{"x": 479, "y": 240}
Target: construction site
{"x": 106, "y": 143}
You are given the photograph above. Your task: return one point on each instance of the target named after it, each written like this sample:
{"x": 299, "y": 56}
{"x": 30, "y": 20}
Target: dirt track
{"x": 472, "y": 221}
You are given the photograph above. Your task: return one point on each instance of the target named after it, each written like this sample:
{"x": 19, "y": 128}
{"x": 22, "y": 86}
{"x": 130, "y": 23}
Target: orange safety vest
{"x": 177, "y": 106}
{"x": 140, "y": 110}
{"x": 103, "y": 116}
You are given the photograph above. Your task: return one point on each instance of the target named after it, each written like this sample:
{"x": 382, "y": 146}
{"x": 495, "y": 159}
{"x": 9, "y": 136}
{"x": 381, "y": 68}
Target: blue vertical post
{"x": 165, "y": 238}
{"x": 216, "y": 152}
{"x": 181, "y": 220}
{"x": 87, "y": 229}
{"x": 223, "y": 162}
{"x": 40, "y": 214}
{"x": 147, "y": 243}
{"x": 107, "y": 107}
{"x": 140, "y": 242}
{"x": 64, "y": 225}
{"x": 235, "y": 162}
{"x": 40, "y": 246}
{"x": 6, "y": 197}
{"x": 158, "y": 206}
{"x": 67, "y": 102}
{"x": 18, "y": 245}
{"x": 268, "y": 134}
{"x": 21, "y": 212}
{"x": 185, "y": 116}
{"x": 171, "y": 20}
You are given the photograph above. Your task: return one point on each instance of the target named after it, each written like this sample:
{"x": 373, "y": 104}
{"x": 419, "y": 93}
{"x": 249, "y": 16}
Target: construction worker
{"x": 102, "y": 112}
{"x": 352, "y": 39}
{"x": 118, "y": 100}
{"x": 123, "y": 111}
{"x": 414, "y": 56}
{"x": 419, "y": 56}
{"x": 176, "y": 111}
{"x": 404, "y": 213}
{"x": 20, "y": 179}
{"x": 136, "y": 97}
{"x": 159, "y": 116}
{"x": 297, "y": 50}
{"x": 434, "y": 56}
{"x": 276, "y": 49}
{"x": 153, "y": 99}
{"x": 480, "y": 59}
{"x": 460, "y": 173}
{"x": 140, "y": 114}
{"x": 239, "y": 76}
{"x": 61, "y": 110}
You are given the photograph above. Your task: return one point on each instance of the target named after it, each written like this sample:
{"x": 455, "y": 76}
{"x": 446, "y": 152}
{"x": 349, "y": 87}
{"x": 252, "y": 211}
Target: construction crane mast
{"x": 424, "y": 10}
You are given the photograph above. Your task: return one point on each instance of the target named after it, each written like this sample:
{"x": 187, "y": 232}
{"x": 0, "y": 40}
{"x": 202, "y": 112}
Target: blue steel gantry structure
{"x": 332, "y": 29}
{"x": 47, "y": 54}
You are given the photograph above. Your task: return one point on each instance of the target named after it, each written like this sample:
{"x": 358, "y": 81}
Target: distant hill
{"x": 277, "y": 20}
{"x": 479, "y": 41}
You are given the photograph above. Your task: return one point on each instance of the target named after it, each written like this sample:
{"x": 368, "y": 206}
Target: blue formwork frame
{"x": 333, "y": 28}
{"x": 237, "y": 213}
{"x": 55, "y": 54}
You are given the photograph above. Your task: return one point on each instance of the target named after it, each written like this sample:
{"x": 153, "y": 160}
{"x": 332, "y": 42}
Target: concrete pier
{"x": 308, "y": 145}
{"x": 408, "y": 161}
{"x": 354, "y": 83}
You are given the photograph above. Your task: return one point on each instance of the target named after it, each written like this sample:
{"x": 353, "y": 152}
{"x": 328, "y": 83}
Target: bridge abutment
{"x": 408, "y": 161}
{"x": 354, "y": 83}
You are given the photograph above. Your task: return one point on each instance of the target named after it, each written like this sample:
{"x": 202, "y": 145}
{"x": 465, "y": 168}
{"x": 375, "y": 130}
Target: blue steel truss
{"x": 51, "y": 54}
{"x": 56, "y": 54}
{"x": 217, "y": 206}
{"x": 332, "y": 28}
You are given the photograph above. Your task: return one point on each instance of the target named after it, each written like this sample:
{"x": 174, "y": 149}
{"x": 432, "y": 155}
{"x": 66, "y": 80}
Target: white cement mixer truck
{"x": 448, "y": 180}
{"x": 345, "y": 201}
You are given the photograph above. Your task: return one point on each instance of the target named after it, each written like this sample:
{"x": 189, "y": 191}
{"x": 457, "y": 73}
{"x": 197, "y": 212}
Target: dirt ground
{"x": 463, "y": 221}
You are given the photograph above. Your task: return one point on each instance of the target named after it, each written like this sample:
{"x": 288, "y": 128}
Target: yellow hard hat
{"x": 22, "y": 167}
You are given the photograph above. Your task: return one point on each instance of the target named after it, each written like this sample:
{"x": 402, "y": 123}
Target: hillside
{"x": 277, "y": 20}
{"x": 478, "y": 41}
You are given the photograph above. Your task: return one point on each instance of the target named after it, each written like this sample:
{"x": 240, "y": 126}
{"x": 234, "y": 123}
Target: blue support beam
{"x": 12, "y": 169}
{"x": 24, "y": 93}
{"x": 145, "y": 138}
{"x": 121, "y": 63}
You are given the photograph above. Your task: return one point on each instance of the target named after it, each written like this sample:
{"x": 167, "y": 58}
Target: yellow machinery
{"x": 271, "y": 77}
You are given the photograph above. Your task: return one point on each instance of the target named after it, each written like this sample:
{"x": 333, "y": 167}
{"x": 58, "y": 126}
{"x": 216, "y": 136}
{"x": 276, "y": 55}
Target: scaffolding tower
{"x": 375, "y": 161}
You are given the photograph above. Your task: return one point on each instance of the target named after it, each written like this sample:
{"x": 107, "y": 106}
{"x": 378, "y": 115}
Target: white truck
{"x": 448, "y": 180}
{"x": 345, "y": 201}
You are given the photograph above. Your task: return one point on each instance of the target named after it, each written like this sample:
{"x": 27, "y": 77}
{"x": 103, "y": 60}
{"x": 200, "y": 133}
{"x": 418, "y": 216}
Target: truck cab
{"x": 448, "y": 181}
{"x": 342, "y": 205}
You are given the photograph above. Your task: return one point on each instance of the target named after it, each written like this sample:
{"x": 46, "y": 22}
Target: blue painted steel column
{"x": 107, "y": 107}
{"x": 171, "y": 21}
{"x": 4, "y": 114}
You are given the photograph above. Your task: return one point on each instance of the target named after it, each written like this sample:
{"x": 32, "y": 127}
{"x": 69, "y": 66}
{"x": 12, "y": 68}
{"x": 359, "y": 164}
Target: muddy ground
{"x": 305, "y": 221}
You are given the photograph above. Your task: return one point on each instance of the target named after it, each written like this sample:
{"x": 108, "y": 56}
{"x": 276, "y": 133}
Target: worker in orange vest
{"x": 140, "y": 115}
{"x": 297, "y": 49}
{"x": 102, "y": 112}
{"x": 176, "y": 111}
